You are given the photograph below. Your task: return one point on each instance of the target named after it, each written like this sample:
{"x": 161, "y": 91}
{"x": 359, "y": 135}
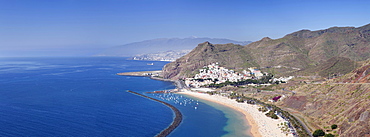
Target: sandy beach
{"x": 261, "y": 125}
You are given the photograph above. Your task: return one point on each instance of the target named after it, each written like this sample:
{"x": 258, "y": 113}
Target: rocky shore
{"x": 176, "y": 122}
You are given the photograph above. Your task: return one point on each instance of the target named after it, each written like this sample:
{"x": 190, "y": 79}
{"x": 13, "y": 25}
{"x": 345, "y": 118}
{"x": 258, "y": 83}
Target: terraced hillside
{"x": 343, "y": 101}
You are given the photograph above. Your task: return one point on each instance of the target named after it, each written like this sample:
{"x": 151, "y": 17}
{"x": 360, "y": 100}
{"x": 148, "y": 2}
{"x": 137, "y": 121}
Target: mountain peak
{"x": 163, "y": 44}
{"x": 266, "y": 39}
{"x": 206, "y": 43}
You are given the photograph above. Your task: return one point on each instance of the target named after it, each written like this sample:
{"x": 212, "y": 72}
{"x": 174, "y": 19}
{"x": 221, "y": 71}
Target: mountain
{"x": 162, "y": 45}
{"x": 339, "y": 53}
{"x": 343, "y": 101}
{"x": 230, "y": 55}
{"x": 359, "y": 75}
{"x": 303, "y": 52}
{"x": 162, "y": 56}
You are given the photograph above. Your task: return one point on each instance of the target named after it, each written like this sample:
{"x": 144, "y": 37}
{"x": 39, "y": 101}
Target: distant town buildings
{"x": 215, "y": 74}
{"x": 162, "y": 56}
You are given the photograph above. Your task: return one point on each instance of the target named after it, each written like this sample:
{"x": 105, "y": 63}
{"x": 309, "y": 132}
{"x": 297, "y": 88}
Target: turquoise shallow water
{"x": 84, "y": 97}
{"x": 235, "y": 125}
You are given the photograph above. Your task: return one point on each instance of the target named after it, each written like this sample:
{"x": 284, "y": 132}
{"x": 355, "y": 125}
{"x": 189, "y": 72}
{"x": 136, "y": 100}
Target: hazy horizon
{"x": 82, "y": 28}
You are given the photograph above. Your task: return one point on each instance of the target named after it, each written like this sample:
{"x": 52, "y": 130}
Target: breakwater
{"x": 176, "y": 122}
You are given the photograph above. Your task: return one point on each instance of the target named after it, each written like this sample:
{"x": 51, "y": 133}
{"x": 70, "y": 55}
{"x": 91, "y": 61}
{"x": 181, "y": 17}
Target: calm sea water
{"x": 85, "y": 97}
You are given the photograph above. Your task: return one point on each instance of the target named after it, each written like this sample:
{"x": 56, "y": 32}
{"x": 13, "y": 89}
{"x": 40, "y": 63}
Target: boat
{"x": 161, "y": 91}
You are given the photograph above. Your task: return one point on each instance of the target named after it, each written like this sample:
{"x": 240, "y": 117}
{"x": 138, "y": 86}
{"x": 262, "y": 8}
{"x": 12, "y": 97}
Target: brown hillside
{"x": 359, "y": 75}
{"x": 343, "y": 101}
{"x": 300, "y": 53}
{"x": 230, "y": 55}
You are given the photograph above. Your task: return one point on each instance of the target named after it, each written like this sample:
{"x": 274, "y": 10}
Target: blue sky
{"x": 82, "y": 27}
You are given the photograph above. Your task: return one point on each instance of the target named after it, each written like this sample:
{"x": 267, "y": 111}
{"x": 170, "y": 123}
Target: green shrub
{"x": 329, "y": 135}
{"x": 334, "y": 126}
{"x": 239, "y": 100}
{"x": 262, "y": 109}
{"x": 318, "y": 132}
{"x": 272, "y": 115}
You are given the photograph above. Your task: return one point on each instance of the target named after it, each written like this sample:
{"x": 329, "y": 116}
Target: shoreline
{"x": 176, "y": 121}
{"x": 141, "y": 73}
{"x": 247, "y": 117}
{"x": 155, "y": 72}
{"x": 260, "y": 124}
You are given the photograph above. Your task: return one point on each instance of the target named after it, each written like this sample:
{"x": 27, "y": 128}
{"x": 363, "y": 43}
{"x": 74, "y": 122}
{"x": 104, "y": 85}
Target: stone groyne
{"x": 176, "y": 122}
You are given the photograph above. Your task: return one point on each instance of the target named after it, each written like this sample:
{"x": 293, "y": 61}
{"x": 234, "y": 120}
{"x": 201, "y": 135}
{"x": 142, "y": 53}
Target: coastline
{"x": 261, "y": 125}
{"x": 141, "y": 73}
{"x": 176, "y": 121}
{"x": 155, "y": 75}
{"x": 247, "y": 117}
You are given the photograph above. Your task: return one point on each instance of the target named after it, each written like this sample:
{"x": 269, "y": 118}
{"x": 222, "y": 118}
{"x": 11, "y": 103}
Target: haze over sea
{"x": 85, "y": 97}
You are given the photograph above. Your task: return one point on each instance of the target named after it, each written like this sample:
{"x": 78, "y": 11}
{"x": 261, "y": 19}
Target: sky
{"x": 85, "y": 27}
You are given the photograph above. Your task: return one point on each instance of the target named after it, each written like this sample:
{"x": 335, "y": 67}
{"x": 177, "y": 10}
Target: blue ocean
{"x": 83, "y": 96}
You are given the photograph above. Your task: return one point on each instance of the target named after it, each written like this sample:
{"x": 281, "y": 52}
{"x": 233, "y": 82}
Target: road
{"x": 299, "y": 120}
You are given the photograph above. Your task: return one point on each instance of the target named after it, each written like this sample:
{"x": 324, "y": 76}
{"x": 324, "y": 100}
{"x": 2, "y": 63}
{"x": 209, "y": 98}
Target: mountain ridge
{"x": 161, "y": 45}
{"x": 305, "y": 50}
{"x": 330, "y": 88}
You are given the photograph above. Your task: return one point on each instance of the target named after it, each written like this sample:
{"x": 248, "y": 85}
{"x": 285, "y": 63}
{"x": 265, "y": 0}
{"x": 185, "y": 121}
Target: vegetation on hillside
{"x": 342, "y": 102}
{"x": 331, "y": 53}
{"x": 272, "y": 109}
{"x": 299, "y": 53}
{"x": 263, "y": 80}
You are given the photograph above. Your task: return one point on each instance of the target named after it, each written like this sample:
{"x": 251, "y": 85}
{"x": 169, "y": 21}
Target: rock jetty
{"x": 176, "y": 122}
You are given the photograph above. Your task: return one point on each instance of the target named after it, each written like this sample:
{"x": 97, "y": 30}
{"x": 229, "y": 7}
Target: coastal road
{"x": 291, "y": 111}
